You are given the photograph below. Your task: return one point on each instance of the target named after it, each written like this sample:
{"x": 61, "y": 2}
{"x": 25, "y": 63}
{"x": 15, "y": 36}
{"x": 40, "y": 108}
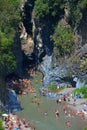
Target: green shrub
{"x": 85, "y": 95}
{"x": 85, "y": 128}
{"x": 63, "y": 38}
{"x": 1, "y": 125}
{"x": 52, "y": 86}
{"x": 82, "y": 90}
{"x": 83, "y": 64}
{"x": 75, "y": 59}
{"x": 77, "y": 91}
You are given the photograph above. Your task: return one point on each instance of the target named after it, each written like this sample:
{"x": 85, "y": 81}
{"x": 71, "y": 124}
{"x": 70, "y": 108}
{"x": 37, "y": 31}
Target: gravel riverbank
{"x": 78, "y": 105}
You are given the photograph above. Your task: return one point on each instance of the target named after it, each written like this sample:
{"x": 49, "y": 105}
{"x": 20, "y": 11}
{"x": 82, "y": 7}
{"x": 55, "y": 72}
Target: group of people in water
{"x": 25, "y": 86}
{"x": 61, "y": 102}
{"x": 67, "y": 112}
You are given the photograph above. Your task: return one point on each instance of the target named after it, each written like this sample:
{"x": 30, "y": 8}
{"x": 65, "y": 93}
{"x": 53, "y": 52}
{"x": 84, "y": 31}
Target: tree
{"x": 9, "y": 20}
{"x": 63, "y": 38}
{"x": 48, "y": 8}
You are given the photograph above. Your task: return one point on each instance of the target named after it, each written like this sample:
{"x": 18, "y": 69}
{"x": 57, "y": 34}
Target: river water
{"x": 31, "y": 111}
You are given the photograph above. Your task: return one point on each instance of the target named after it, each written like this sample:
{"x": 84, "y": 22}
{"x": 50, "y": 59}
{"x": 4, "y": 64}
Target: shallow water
{"x": 35, "y": 114}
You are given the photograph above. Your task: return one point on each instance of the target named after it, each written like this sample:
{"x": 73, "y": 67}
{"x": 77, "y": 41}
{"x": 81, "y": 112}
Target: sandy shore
{"x": 77, "y": 105}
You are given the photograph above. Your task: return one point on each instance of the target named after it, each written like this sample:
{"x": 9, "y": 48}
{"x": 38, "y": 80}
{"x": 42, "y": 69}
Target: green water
{"x": 36, "y": 115}
{"x": 50, "y": 122}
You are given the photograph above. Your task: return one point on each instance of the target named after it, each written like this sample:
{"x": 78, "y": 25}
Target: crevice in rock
{"x": 28, "y": 7}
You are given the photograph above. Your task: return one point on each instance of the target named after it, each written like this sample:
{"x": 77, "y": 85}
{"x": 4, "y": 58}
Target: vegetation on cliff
{"x": 55, "y": 8}
{"x": 63, "y": 39}
{"x": 9, "y": 20}
{"x": 63, "y": 36}
{"x": 47, "y": 8}
{"x": 56, "y": 11}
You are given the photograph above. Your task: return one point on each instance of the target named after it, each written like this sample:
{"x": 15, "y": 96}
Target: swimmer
{"x": 60, "y": 100}
{"x": 57, "y": 113}
{"x": 67, "y": 123}
{"x": 35, "y": 95}
{"x": 57, "y": 101}
{"x": 45, "y": 113}
{"x": 64, "y": 107}
{"x": 38, "y": 104}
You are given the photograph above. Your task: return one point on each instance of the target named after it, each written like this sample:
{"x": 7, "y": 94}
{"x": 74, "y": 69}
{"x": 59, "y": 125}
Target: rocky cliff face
{"x": 35, "y": 37}
{"x": 75, "y": 64}
{"x": 36, "y": 44}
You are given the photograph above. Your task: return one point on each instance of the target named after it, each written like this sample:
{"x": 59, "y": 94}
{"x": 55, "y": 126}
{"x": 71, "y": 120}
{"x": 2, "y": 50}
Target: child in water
{"x": 45, "y": 113}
